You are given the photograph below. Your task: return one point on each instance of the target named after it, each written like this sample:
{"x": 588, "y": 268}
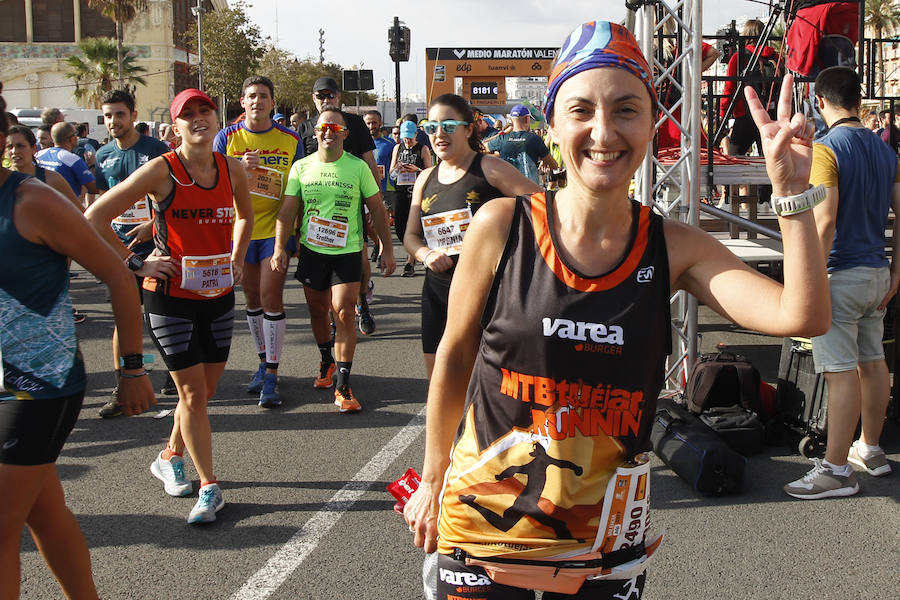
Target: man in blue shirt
{"x": 61, "y": 159}
{"x": 862, "y": 184}
{"x": 125, "y": 153}
{"x": 522, "y": 148}
{"x": 384, "y": 148}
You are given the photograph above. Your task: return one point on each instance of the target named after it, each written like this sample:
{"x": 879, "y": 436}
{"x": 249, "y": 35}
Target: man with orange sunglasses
{"x": 328, "y": 189}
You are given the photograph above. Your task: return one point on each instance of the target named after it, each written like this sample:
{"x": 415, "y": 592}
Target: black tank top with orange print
{"x": 193, "y": 221}
{"x": 564, "y": 388}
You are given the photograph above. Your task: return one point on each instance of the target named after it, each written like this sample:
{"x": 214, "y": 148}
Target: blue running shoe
{"x": 268, "y": 397}
{"x": 171, "y": 473}
{"x": 256, "y": 381}
{"x": 208, "y": 504}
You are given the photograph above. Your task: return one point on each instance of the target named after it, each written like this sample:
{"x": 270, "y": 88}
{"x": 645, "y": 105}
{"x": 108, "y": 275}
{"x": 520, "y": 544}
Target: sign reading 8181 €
{"x": 484, "y": 90}
{"x": 443, "y": 65}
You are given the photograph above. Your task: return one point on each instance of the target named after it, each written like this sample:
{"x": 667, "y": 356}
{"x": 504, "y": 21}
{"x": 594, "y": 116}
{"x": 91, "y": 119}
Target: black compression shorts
{"x": 458, "y": 581}
{"x": 189, "y": 332}
{"x": 320, "y": 271}
{"x": 32, "y": 432}
{"x": 435, "y": 294}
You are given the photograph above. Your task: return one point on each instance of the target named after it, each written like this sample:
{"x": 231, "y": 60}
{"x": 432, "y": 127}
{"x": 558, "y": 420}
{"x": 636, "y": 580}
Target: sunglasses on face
{"x": 449, "y": 126}
{"x": 325, "y": 95}
{"x": 332, "y": 127}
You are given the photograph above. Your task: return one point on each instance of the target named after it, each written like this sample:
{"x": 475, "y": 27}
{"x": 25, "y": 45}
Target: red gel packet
{"x": 403, "y": 488}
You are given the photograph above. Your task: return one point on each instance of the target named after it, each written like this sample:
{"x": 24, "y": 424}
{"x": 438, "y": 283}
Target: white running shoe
{"x": 171, "y": 473}
{"x": 822, "y": 482}
{"x": 208, "y": 504}
{"x": 876, "y": 464}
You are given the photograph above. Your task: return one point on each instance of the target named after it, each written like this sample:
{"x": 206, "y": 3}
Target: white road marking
{"x": 278, "y": 568}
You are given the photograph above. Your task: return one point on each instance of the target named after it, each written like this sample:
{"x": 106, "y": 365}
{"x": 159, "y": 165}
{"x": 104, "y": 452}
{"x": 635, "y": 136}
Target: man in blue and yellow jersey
{"x": 267, "y": 150}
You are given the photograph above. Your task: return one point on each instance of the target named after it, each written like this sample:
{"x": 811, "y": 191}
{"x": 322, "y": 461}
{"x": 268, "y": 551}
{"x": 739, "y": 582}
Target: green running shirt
{"x": 332, "y": 195}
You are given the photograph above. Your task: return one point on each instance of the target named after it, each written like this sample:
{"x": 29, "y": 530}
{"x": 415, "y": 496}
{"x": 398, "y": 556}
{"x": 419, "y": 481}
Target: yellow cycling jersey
{"x": 278, "y": 148}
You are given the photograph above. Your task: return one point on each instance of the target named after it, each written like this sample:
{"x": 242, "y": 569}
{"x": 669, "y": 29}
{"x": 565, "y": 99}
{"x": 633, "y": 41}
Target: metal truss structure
{"x": 674, "y": 189}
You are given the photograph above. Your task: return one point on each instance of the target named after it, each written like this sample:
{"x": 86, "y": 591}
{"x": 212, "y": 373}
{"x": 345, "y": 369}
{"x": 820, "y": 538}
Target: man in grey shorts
{"x": 860, "y": 176}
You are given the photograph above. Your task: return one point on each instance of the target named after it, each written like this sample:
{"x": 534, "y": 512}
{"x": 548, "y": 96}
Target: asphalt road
{"x": 308, "y": 516}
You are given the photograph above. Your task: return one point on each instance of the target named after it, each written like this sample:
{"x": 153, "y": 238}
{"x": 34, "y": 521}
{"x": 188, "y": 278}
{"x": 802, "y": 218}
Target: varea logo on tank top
{"x": 582, "y": 331}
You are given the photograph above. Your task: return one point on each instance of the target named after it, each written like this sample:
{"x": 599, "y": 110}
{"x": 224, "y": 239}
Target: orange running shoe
{"x": 346, "y": 401}
{"x": 326, "y": 376}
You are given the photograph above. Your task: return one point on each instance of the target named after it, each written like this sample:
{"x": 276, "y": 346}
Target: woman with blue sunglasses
{"x": 444, "y": 199}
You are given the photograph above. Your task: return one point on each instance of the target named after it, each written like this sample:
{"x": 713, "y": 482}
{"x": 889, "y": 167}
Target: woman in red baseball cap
{"x": 200, "y": 201}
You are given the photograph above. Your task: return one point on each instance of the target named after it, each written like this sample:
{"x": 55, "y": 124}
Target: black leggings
{"x": 402, "y": 201}
{"x": 456, "y": 580}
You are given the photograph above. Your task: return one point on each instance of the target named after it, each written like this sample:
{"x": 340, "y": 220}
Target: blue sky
{"x": 356, "y": 30}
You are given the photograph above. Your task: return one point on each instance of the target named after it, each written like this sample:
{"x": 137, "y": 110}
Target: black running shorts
{"x": 458, "y": 581}
{"x": 188, "y": 332}
{"x": 32, "y": 432}
{"x": 435, "y": 294}
{"x": 321, "y": 271}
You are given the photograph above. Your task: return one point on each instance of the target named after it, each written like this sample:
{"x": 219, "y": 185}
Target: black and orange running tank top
{"x": 563, "y": 390}
{"x": 194, "y": 224}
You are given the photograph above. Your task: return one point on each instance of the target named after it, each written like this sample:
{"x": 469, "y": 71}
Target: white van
{"x": 92, "y": 116}
{"x": 31, "y": 117}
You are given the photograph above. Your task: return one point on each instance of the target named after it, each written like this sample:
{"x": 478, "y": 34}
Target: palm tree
{"x": 882, "y": 15}
{"x": 98, "y": 70}
{"x": 122, "y": 12}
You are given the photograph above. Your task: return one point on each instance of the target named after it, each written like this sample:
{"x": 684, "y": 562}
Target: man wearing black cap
{"x": 360, "y": 144}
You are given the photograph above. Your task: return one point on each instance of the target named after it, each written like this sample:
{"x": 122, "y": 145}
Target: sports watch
{"x": 786, "y": 206}
{"x": 134, "y": 262}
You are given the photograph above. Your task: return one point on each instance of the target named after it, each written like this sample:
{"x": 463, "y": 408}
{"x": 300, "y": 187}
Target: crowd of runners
{"x": 514, "y": 275}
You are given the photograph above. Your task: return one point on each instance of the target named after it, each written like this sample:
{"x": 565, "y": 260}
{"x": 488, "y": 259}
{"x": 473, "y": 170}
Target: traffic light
{"x": 398, "y": 38}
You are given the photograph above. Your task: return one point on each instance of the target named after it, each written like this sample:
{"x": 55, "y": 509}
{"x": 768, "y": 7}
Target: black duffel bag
{"x": 741, "y": 429}
{"x": 695, "y": 452}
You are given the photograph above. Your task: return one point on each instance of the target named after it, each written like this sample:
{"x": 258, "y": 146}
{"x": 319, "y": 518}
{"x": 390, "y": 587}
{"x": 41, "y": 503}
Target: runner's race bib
{"x": 380, "y": 172}
{"x": 326, "y": 233}
{"x": 207, "y": 275}
{"x": 445, "y": 231}
{"x": 138, "y": 213}
{"x": 625, "y": 519}
{"x": 266, "y": 182}
{"x": 406, "y": 177}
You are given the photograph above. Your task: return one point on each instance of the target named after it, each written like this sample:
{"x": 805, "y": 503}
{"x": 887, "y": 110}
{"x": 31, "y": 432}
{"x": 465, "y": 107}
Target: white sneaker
{"x": 208, "y": 504}
{"x": 822, "y": 482}
{"x": 171, "y": 473}
{"x": 876, "y": 464}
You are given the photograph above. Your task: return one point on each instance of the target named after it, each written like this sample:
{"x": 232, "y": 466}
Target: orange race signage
{"x": 488, "y": 66}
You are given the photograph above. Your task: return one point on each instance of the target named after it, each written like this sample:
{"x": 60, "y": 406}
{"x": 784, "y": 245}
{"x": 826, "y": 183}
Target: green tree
{"x": 882, "y": 16}
{"x": 98, "y": 70}
{"x": 304, "y": 73}
{"x": 122, "y": 12}
{"x": 285, "y": 71}
{"x": 232, "y": 49}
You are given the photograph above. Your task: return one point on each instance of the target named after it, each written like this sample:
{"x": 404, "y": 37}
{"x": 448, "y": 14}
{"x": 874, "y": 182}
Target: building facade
{"x": 36, "y": 37}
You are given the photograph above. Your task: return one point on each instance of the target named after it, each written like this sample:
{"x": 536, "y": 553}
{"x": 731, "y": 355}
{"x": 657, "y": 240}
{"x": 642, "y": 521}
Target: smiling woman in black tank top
{"x": 547, "y": 375}
{"x": 444, "y": 199}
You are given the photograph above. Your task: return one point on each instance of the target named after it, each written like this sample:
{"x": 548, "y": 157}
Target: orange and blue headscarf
{"x": 593, "y": 45}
